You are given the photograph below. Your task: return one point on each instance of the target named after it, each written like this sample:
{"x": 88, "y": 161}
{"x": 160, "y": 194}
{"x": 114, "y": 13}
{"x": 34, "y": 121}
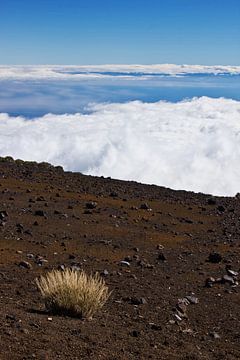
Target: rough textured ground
{"x": 166, "y": 243}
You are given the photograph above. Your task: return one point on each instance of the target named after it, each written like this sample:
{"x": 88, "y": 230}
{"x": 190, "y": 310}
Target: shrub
{"x": 73, "y": 293}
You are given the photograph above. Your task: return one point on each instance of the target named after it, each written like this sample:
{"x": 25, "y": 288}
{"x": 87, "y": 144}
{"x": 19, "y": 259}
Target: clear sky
{"x": 120, "y": 31}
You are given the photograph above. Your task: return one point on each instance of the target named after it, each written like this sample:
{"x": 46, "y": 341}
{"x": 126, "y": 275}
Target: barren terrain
{"x": 170, "y": 258}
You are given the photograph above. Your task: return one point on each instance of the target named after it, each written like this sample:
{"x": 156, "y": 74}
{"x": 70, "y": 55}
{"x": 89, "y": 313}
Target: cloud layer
{"x": 77, "y": 72}
{"x": 192, "y": 145}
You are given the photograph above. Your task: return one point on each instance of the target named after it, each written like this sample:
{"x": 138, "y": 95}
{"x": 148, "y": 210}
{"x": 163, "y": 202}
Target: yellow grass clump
{"x": 72, "y": 292}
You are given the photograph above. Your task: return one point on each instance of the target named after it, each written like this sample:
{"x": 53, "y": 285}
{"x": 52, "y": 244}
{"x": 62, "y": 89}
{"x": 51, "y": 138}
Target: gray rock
{"x": 209, "y": 282}
{"x": 215, "y": 335}
{"x": 124, "y": 263}
{"x": 232, "y": 273}
{"x": 228, "y": 279}
{"x": 25, "y": 264}
{"x": 192, "y": 299}
{"x": 105, "y": 273}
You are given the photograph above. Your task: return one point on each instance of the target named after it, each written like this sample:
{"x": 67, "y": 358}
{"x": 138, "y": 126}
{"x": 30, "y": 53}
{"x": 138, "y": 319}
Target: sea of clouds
{"x": 193, "y": 144}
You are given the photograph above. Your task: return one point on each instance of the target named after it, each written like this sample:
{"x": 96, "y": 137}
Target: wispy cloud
{"x": 107, "y": 71}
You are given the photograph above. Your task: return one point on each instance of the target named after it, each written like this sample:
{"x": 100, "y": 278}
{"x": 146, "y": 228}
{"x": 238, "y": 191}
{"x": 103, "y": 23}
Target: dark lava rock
{"x": 25, "y": 264}
{"x": 113, "y": 194}
{"x": 221, "y": 208}
{"x": 209, "y": 282}
{"x": 137, "y": 301}
{"x": 39, "y": 213}
{"x": 211, "y": 201}
{"x": 135, "y": 333}
{"x": 91, "y": 205}
{"x": 128, "y": 258}
{"x": 145, "y": 206}
{"x": 3, "y": 215}
{"x": 161, "y": 257}
{"x": 214, "y": 258}
{"x": 156, "y": 327}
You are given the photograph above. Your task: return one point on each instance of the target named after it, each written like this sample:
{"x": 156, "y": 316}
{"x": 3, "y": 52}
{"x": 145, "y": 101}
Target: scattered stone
{"x": 19, "y": 228}
{"x": 25, "y": 264}
{"x": 135, "y": 333}
{"x": 128, "y": 258}
{"x": 40, "y": 198}
{"x": 215, "y": 335}
{"x": 192, "y": 299}
{"x": 214, "y": 258}
{"x": 211, "y": 201}
{"x": 228, "y": 279}
{"x": 91, "y": 205}
{"x": 182, "y": 308}
{"x": 232, "y": 273}
{"x": 178, "y": 317}
{"x": 187, "y": 331}
{"x": 61, "y": 267}
{"x": 137, "y": 301}
{"x": 40, "y": 261}
{"x": 88, "y": 212}
{"x": 221, "y": 208}
{"x": 161, "y": 257}
{"x": 145, "y": 206}
{"x": 3, "y": 215}
{"x": 155, "y": 327}
{"x": 105, "y": 273}
{"x": 76, "y": 267}
{"x": 40, "y": 213}
{"x": 124, "y": 263}
{"x": 113, "y": 194}
{"x": 209, "y": 282}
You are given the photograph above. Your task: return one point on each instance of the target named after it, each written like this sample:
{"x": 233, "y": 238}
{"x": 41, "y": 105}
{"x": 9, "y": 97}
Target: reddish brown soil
{"x": 182, "y": 226}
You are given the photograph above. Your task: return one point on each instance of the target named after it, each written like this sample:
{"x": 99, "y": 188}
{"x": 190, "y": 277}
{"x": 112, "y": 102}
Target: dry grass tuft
{"x": 73, "y": 293}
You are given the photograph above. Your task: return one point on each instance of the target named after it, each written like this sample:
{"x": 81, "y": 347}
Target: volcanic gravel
{"x": 170, "y": 258}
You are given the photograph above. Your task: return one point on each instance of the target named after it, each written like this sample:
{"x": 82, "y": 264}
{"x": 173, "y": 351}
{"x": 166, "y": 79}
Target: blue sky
{"x": 120, "y": 31}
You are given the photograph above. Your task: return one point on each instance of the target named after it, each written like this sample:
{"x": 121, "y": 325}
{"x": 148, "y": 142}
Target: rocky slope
{"x": 171, "y": 259}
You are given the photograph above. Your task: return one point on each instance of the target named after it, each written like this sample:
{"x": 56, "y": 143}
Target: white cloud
{"x": 77, "y": 72}
{"x": 192, "y": 145}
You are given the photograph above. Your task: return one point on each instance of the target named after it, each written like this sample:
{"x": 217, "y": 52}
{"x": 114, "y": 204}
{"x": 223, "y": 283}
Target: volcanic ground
{"x": 170, "y": 258}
